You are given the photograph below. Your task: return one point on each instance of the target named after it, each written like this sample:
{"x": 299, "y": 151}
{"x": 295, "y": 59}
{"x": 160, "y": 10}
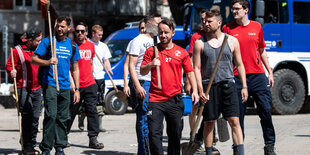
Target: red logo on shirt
{"x": 177, "y": 53}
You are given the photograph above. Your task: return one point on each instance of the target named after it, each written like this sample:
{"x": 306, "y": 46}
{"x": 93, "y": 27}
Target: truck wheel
{"x": 113, "y": 105}
{"x": 288, "y": 93}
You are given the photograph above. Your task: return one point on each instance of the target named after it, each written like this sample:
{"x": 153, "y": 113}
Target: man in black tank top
{"x": 223, "y": 96}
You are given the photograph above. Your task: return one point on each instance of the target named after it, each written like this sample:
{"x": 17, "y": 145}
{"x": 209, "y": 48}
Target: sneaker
{"x": 45, "y": 153}
{"x": 215, "y": 151}
{"x": 59, "y": 151}
{"x": 31, "y": 152}
{"x": 269, "y": 149}
{"x": 93, "y": 143}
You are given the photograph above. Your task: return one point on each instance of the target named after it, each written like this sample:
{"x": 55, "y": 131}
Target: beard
{"x": 64, "y": 33}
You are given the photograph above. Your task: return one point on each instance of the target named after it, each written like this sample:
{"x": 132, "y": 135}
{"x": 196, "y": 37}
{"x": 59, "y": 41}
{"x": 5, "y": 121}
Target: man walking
{"x": 88, "y": 86}
{"x": 167, "y": 102}
{"x": 28, "y": 87}
{"x": 251, "y": 39}
{"x": 222, "y": 97}
{"x": 56, "y": 103}
{"x": 141, "y": 83}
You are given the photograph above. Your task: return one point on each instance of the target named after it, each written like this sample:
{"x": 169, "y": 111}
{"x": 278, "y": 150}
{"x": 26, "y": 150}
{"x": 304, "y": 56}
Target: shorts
{"x": 223, "y": 99}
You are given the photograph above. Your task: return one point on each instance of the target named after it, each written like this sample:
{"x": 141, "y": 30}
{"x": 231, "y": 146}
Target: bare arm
{"x": 265, "y": 61}
{"x": 192, "y": 80}
{"x": 76, "y": 77}
{"x": 125, "y": 75}
{"x": 133, "y": 74}
{"x": 108, "y": 65}
{"x": 41, "y": 62}
{"x": 240, "y": 68}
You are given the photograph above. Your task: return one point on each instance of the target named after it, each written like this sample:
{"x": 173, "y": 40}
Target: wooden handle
{"x": 197, "y": 122}
{"x": 17, "y": 104}
{"x": 157, "y": 70}
{"x": 114, "y": 86}
{"x": 56, "y": 70}
{"x": 51, "y": 40}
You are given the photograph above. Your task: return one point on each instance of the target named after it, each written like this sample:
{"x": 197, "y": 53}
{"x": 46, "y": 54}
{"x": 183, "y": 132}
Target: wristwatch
{"x": 77, "y": 89}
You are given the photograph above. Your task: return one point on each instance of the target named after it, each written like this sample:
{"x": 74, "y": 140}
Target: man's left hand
{"x": 76, "y": 97}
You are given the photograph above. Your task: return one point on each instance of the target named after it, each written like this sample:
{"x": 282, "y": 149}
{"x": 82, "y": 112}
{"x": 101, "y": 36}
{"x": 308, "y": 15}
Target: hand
{"x": 203, "y": 98}
{"x": 244, "y": 94}
{"x": 76, "y": 97}
{"x": 270, "y": 79}
{"x": 188, "y": 89}
{"x": 53, "y": 61}
{"x": 110, "y": 71}
{"x": 141, "y": 92}
{"x": 155, "y": 62}
{"x": 13, "y": 73}
{"x": 126, "y": 90}
{"x": 195, "y": 97}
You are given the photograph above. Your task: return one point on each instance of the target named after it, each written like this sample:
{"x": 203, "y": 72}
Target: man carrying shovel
{"x": 28, "y": 87}
{"x": 56, "y": 103}
{"x": 142, "y": 82}
{"x": 167, "y": 101}
{"x": 223, "y": 96}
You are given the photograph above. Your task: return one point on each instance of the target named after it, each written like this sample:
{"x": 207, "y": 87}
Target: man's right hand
{"x": 141, "y": 92}
{"x": 203, "y": 98}
{"x": 76, "y": 97}
{"x": 13, "y": 73}
{"x": 126, "y": 90}
{"x": 53, "y": 61}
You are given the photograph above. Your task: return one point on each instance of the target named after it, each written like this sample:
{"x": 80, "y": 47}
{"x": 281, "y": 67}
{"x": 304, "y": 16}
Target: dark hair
{"x": 203, "y": 11}
{"x": 140, "y": 22}
{"x": 244, "y": 3}
{"x": 64, "y": 18}
{"x": 149, "y": 18}
{"x": 82, "y": 23}
{"x": 169, "y": 23}
{"x": 214, "y": 13}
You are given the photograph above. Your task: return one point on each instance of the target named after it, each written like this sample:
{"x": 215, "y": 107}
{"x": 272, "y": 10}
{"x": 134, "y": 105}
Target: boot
{"x": 93, "y": 143}
{"x": 269, "y": 149}
{"x": 100, "y": 124}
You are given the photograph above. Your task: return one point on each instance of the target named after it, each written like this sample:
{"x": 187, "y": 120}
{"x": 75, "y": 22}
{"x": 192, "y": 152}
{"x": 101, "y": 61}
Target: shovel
{"x": 119, "y": 94}
{"x": 189, "y": 148}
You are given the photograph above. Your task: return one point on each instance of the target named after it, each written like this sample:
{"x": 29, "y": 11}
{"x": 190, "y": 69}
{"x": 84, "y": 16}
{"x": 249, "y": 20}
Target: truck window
{"x": 301, "y": 12}
{"x": 117, "y": 49}
{"x": 276, "y": 12}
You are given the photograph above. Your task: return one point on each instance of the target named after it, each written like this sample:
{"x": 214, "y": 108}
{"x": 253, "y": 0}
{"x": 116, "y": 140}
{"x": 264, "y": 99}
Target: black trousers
{"x": 100, "y": 92}
{"x": 30, "y": 106}
{"x": 89, "y": 99}
{"x": 172, "y": 111}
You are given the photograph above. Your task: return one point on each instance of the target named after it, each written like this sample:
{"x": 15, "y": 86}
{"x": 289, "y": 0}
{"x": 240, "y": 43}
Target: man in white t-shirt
{"x": 141, "y": 83}
{"x": 104, "y": 54}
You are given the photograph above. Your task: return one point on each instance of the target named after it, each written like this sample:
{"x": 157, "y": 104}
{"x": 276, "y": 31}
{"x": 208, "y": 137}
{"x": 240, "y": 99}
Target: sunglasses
{"x": 78, "y": 31}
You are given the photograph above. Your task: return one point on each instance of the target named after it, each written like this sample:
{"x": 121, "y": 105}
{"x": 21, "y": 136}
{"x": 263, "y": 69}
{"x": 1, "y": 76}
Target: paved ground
{"x": 293, "y": 135}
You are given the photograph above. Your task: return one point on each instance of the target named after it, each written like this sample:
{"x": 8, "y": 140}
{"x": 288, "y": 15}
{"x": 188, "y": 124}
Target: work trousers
{"x": 172, "y": 111}
{"x": 258, "y": 87}
{"x": 56, "y": 115}
{"x": 30, "y": 106}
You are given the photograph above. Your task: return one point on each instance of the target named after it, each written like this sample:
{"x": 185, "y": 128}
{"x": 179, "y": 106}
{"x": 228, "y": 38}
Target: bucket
{"x": 188, "y": 103}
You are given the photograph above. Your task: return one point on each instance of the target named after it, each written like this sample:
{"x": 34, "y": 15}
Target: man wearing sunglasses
{"x": 88, "y": 86}
{"x": 251, "y": 39}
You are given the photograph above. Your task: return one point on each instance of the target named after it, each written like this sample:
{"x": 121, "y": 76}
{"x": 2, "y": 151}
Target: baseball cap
{"x": 31, "y": 33}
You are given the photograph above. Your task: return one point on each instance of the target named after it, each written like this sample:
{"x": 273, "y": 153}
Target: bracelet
{"x": 244, "y": 87}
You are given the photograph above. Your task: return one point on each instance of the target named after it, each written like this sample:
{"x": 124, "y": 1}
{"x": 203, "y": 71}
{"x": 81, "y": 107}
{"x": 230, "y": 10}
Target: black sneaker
{"x": 269, "y": 149}
{"x": 59, "y": 151}
{"x": 93, "y": 143}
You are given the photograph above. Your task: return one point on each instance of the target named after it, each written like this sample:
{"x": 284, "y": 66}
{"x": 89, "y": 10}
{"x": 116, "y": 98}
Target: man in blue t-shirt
{"x": 57, "y": 102}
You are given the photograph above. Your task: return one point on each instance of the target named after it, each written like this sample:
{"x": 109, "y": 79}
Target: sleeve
{"x": 93, "y": 52}
{"x": 148, "y": 56}
{"x": 225, "y": 29}
{"x": 128, "y": 46}
{"x": 134, "y": 47}
{"x": 106, "y": 52}
{"x": 9, "y": 66}
{"x": 261, "y": 38}
{"x": 186, "y": 63}
{"x": 42, "y": 48}
{"x": 76, "y": 55}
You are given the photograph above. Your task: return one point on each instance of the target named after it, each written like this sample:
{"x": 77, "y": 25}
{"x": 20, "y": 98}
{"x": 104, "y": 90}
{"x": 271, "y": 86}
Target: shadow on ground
{"x": 9, "y": 151}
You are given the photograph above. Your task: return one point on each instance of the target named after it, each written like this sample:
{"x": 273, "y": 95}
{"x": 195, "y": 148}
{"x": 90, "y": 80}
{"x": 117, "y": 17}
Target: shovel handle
{"x": 114, "y": 86}
{"x": 197, "y": 122}
{"x": 157, "y": 70}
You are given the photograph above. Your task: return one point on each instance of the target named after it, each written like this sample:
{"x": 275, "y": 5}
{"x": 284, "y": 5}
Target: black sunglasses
{"x": 78, "y": 31}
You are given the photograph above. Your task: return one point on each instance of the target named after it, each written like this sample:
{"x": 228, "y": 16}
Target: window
{"x": 301, "y": 12}
{"x": 117, "y": 49}
{"x": 25, "y": 4}
{"x": 276, "y": 12}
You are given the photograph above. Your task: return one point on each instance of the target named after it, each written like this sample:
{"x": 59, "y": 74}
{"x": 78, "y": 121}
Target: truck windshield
{"x": 117, "y": 49}
{"x": 223, "y": 5}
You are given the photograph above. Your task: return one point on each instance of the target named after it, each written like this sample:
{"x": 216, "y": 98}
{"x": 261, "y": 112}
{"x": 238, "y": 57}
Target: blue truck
{"x": 286, "y": 25}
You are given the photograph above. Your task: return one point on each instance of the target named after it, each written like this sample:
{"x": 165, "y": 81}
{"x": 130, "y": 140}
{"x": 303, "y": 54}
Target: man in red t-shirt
{"x": 88, "y": 87}
{"x": 167, "y": 102}
{"x": 251, "y": 39}
{"x": 28, "y": 87}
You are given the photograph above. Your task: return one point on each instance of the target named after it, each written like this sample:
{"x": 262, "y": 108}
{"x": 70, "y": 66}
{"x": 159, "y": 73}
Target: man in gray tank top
{"x": 223, "y": 96}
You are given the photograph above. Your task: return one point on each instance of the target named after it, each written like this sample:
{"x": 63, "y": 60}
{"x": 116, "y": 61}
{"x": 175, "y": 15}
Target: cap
{"x": 31, "y": 33}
